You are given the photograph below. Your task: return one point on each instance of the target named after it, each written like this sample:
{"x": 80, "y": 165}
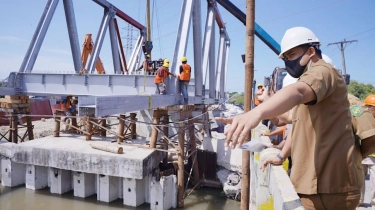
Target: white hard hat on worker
{"x": 298, "y": 46}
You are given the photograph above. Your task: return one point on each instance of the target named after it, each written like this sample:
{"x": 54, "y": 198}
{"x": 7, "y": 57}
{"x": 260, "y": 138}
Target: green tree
{"x": 236, "y": 98}
{"x": 360, "y": 90}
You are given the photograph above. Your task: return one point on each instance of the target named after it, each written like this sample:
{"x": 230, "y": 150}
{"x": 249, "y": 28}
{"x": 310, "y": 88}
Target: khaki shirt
{"x": 363, "y": 121}
{"x": 325, "y": 157}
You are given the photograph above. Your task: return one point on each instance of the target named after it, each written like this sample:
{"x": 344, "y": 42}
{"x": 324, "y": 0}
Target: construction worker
{"x": 160, "y": 79}
{"x": 68, "y": 106}
{"x": 326, "y": 170}
{"x": 258, "y": 93}
{"x": 146, "y": 65}
{"x": 364, "y": 127}
{"x": 184, "y": 78}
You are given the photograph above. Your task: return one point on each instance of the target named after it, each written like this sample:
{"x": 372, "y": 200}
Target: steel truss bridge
{"x": 114, "y": 93}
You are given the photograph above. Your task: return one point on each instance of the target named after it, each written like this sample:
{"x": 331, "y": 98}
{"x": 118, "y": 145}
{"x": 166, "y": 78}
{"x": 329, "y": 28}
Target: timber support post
{"x": 29, "y": 125}
{"x": 121, "y": 128}
{"x": 133, "y": 125}
{"x": 181, "y": 166}
{"x": 103, "y": 132}
{"x": 154, "y": 134}
{"x": 88, "y": 128}
{"x": 56, "y": 133}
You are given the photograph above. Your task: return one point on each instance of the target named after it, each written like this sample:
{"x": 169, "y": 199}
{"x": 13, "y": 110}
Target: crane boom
{"x": 87, "y": 47}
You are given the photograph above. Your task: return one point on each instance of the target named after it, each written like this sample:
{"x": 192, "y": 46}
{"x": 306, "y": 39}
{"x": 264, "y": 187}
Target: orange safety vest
{"x": 185, "y": 74}
{"x": 256, "y": 101}
{"x": 65, "y": 106}
{"x": 161, "y": 74}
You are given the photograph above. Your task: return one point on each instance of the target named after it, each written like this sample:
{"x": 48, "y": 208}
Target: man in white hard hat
{"x": 326, "y": 169}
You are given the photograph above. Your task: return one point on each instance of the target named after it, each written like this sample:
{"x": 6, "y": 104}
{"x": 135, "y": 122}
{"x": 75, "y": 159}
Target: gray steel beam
{"x": 211, "y": 58}
{"x": 38, "y": 37}
{"x": 197, "y": 44}
{"x": 210, "y": 21}
{"x": 220, "y": 62}
{"x": 114, "y": 46}
{"x": 99, "y": 40}
{"x": 122, "y": 104}
{"x": 73, "y": 34}
{"x": 181, "y": 42}
{"x": 89, "y": 84}
{"x": 225, "y": 72}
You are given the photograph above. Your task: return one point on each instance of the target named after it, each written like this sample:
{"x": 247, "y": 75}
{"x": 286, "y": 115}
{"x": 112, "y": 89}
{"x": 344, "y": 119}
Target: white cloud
{"x": 11, "y": 39}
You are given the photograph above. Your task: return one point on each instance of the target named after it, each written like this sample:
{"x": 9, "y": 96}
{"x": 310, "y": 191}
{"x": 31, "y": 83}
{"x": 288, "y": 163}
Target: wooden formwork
{"x": 13, "y": 106}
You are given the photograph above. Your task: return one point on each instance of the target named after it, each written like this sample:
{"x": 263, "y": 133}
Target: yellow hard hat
{"x": 148, "y": 55}
{"x": 166, "y": 60}
{"x": 166, "y": 65}
{"x": 184, "y": 59}
{"x": 370, "y": 100}
{"x": 260, "y": 85}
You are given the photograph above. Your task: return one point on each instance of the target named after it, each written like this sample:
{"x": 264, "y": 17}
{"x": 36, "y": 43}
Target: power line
{"x": 342, "y": 46}
{"x": 361, "y": 32}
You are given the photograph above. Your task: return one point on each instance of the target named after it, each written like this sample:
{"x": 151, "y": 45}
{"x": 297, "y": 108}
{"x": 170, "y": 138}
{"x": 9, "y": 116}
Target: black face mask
{"x": 294, "y": 68}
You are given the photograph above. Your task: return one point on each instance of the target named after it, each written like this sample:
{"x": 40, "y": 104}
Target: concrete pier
{"x": 36, "y": 177}
{"x": 69, "y": 163}
{"x": 83, "y": 184}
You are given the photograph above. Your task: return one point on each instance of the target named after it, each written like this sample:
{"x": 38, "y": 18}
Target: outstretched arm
{"x": 281, "y": 102}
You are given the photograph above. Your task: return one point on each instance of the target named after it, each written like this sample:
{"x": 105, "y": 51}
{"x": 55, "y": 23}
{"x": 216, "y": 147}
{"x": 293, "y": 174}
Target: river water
{"x": 20, "y": 198}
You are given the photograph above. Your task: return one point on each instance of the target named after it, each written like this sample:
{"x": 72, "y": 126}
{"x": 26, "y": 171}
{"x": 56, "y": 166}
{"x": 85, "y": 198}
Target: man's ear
{"x": 312, "y": 52}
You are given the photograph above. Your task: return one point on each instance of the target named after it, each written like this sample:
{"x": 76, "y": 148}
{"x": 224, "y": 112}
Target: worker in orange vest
{"x": 160, "y": 79}
{"x": 146, "y": 65}
{"x": 184, "y": 77}
{"x": 68, "y": 106}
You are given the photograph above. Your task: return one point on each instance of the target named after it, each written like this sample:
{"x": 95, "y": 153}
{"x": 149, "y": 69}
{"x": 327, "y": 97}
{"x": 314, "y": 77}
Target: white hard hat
{"x": 288, "y": 80}
{"x": 327, "y": 59}
{"x": 297, "y": 36}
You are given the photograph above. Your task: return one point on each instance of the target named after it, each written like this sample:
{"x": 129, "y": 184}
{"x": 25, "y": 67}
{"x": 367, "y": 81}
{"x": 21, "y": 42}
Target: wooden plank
{"x": 9, "y": 100}
{"x": 12, "y": 97}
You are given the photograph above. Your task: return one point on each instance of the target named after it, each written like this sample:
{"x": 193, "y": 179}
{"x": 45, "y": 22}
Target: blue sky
{"x": 331, "y": 20}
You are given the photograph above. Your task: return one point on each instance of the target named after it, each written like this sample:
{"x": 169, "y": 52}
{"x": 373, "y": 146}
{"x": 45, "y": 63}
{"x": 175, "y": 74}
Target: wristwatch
{"x": 279, "y": 156}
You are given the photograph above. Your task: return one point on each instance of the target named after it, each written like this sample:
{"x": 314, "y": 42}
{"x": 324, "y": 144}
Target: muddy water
{"x": 18, "y": 198}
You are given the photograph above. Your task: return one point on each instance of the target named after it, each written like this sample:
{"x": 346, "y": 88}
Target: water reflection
{"x": 22, "y": 198}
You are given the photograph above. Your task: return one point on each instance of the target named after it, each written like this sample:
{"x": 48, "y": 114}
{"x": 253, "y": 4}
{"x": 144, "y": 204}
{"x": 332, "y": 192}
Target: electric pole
{"x": 249, "y": 78}
{"x": 342, "y": 48}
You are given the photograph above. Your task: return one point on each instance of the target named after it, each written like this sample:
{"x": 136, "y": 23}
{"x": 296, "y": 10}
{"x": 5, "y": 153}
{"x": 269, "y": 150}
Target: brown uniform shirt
{"x": 363, "y": 121}
{"x": 325, "y": 157}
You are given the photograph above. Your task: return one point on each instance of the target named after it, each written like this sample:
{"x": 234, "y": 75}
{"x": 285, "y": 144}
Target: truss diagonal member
{"x": 220, "y": 63}
{"x": 207, "y": 40}
{"x": 114, "y": 43}
{"x": 73, "y": 34}
{"x": 38, "y": 37}
{"x": 181, "y": 41}
{"x": 107, "y": 17}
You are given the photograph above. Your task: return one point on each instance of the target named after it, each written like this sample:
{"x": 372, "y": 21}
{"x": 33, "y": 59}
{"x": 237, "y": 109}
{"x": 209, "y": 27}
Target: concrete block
{"x": 61, "y": 180}
{"x": 107, "y": 188}
{"x": 83, "y": 184}
{"x": 12, "y": 174}
{"x": 133, "y": 192}
{"x": 228, "y": 158}
{"x": 36, "y": 177}
{"x": 164, "y": 193}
